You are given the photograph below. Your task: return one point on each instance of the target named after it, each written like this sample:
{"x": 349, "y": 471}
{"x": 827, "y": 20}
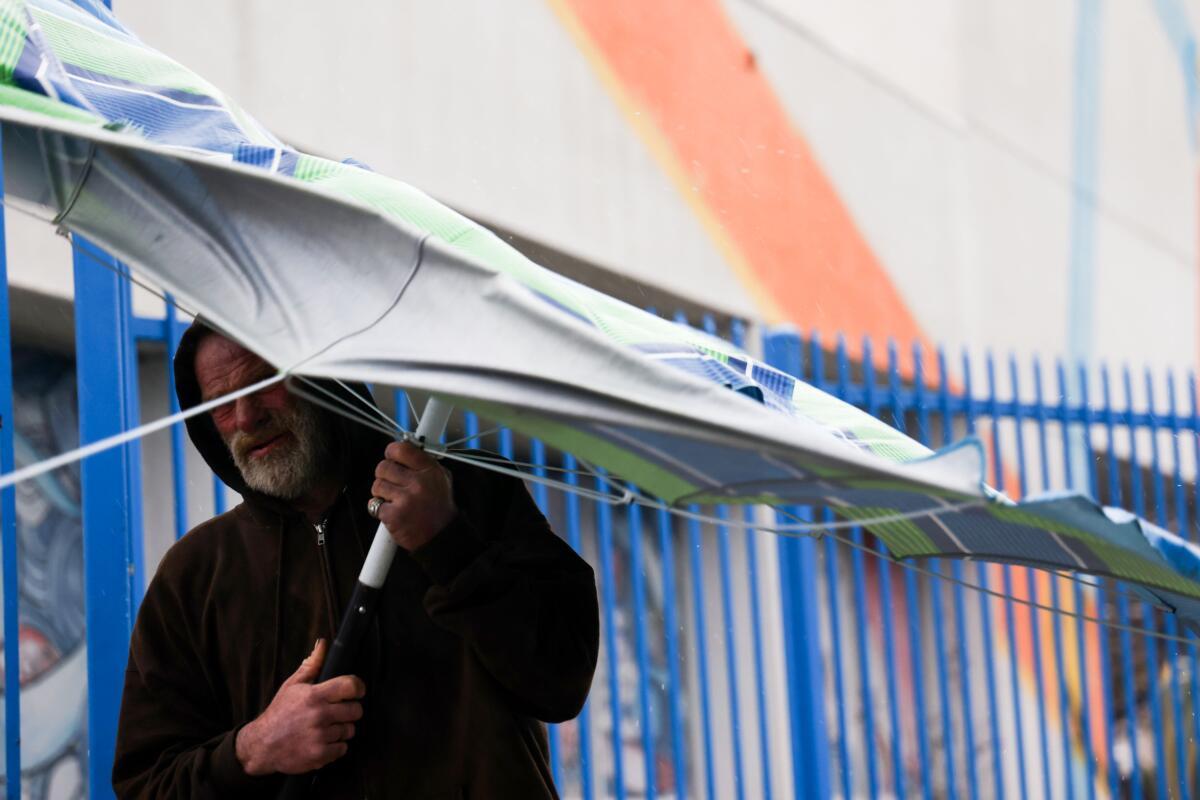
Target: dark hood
{"x": 359, "y": 448}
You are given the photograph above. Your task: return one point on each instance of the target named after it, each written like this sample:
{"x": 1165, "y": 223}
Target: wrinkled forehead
{"x": 224, "y": 366}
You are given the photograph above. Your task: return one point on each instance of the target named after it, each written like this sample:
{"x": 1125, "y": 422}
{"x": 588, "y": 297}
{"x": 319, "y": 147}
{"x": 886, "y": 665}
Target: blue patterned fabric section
{"x": 162, "y": 114}
{"x": 1183, "y": 556}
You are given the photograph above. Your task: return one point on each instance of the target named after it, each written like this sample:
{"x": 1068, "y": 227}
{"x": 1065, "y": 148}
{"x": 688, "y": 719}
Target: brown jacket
{"x": 483, "y": 632}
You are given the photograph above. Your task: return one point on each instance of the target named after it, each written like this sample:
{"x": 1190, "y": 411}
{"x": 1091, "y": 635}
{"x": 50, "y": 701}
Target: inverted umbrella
{"x": 329, "y": 270}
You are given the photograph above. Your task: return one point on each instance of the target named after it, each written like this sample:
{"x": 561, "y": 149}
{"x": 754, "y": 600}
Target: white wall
{"x": 949, "y": 130}
{"x": 490, "y": 107}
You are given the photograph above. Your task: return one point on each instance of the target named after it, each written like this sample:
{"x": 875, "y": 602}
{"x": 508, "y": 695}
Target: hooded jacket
{"x": 482, "y": 634}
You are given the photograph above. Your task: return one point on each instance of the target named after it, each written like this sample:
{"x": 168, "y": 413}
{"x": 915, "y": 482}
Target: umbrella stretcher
{"x": 329, "y": 270}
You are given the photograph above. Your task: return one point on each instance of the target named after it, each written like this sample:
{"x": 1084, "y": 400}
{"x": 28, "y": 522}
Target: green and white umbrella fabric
{"x": 329, "y": 270}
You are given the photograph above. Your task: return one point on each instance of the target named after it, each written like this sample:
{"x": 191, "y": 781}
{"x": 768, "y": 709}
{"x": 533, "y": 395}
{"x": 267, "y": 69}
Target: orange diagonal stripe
{"x": 692, "y": 90}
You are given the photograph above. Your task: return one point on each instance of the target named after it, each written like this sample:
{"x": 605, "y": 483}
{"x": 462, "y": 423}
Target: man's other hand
{"x": 415, "y": 488}
{"x": 306, "y": 726}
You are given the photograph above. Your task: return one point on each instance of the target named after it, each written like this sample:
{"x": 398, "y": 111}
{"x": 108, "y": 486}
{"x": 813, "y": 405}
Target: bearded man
{"x": 487, "y": 626}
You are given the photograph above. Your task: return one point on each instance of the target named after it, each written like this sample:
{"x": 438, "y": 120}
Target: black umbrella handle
{"x": 338, "y": 661}
{"x": 355, "y": 622}
{"x": 342, "y": 654}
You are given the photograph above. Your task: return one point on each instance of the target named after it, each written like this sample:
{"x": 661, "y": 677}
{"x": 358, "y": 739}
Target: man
{"x": 488, "y": 622}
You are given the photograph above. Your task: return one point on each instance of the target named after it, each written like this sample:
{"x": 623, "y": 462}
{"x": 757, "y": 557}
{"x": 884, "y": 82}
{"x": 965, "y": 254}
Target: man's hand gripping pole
{"x": 375, "y": 568}
{"x": 361, "y": 609}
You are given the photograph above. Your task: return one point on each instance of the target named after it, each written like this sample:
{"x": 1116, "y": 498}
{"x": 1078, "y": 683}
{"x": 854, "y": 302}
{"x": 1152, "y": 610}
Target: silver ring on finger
{"x": 373, "y": 506}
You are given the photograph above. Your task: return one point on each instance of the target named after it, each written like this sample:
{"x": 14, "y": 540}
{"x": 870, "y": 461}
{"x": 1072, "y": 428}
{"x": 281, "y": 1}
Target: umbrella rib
{"x": 479, "y": 435}
{"x": 498, "y": 458}
{"x": 349, "y": 411}
{"x": 590, "y": 494}
{"x": 60, "y": 219}
{"x": 907, "y": 564}
{"x": 1080, "y": 577}
{"x": 806, "y": 528}
{"x": 79, "y": 453}
{"x": 368, "y": 407}
{"x": 408, "y": 279}
{"x": 342, "y": 407}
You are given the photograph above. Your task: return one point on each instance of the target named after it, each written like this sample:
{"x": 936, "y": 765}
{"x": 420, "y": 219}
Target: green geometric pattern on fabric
{"x": 19, "y": 98}
{"x": 905, "y": 540}
{"x": 390, "y": 197}
{"x": 76, "y": 40}
{"x": 620, "y": 462}
{"x": 889, "y": 448}
{"x": 1132, "y": 567}
{"x": 311, "y": 169}
{"x": 12, "y": 37}
{"x": 1121, "y": 562}
{"x": 1018, "y": 516}
{"x": 901, "y": 536}
{"x": 876, "y": 436}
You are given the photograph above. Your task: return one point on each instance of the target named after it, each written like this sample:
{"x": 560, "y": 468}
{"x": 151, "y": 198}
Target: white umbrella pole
{"x": 383, "y": 549}
{"x": 375, "y": 568}
{"x": 361, "y": 609}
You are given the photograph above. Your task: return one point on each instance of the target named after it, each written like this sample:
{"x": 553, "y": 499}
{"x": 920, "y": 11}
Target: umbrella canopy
{"x": 329, "y": 270}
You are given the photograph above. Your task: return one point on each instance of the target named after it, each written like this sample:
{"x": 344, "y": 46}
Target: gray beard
{"x": 289, "y": 471}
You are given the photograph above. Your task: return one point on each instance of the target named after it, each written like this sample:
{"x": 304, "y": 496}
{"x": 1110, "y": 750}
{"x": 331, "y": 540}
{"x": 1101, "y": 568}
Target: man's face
{"x": 277, "y": 441}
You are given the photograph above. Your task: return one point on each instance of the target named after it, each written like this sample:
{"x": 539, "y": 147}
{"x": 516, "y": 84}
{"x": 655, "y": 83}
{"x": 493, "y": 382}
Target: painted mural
{"x": 53, "y": 675}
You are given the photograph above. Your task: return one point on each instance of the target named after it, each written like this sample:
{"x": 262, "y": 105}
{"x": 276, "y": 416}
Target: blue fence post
{"x": 959, "y": 595}
{"x": 1064, "y": 413}
{"x": 1160, "y": 516}
{"x": 738, "y": 336}
{"x": 1031, "y": 582}
{"x": 724, "y": 559}
{"x": 924, "y": 434}
{"x": 871, "y": 403}
{"x": 1014, "y": 655}
{"x": 1114, "y": 498}
{"x": 537, "y": 456}
{"x": 112, "y": 540}
{"x": 172, "y": 332}
{"x": 8, "y": 536}
{"x": 671, "y": 626}
{"x": 637, "y": 571}
{"x": 696, "y": 563}
{"x": 861, "y": 628}
{"x": 608, "y": 607}
{"x": 802, "y": 631}
{"x": 699, "y": 616}
{"x": 895, "y": 387}
{"x": 1183, "y": 526}
{"x": 985, "y": 610}
{"x": 815, "y": 375}
{"x": 575, "y": 539}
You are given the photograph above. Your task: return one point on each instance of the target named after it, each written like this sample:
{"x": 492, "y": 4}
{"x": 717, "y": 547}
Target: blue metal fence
{"x": 739, "y": 664}
{"x": 8, "y": 529}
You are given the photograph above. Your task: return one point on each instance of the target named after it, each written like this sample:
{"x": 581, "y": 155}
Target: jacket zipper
{"x": 327, "y": 571}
